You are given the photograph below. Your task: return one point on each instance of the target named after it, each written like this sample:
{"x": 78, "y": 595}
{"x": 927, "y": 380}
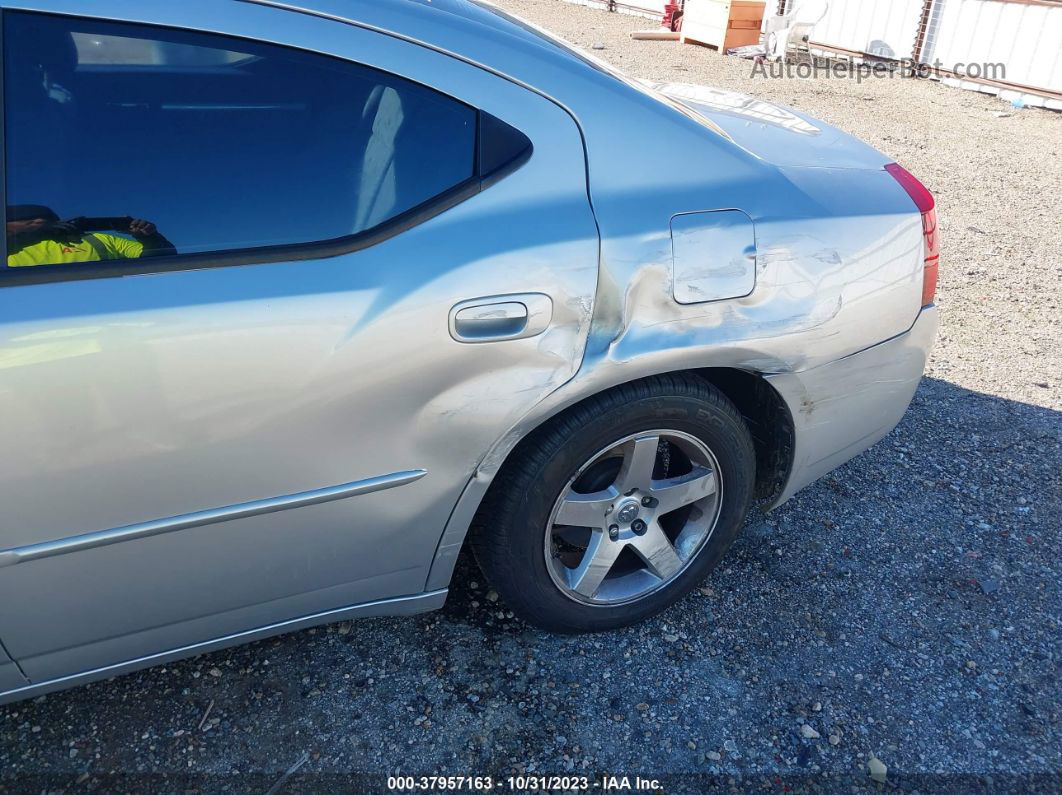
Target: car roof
{"x": 474, "y": 11}
{"x": 473, "y": 29}
{"x": 486, "y": 15}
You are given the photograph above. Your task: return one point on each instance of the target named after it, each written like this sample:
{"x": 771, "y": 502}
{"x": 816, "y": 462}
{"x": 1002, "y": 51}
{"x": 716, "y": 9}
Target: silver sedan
{"x": 303, "y": 298}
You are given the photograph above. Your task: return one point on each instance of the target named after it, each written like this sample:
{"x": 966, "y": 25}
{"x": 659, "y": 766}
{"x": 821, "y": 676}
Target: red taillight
{"x": 932, "y": 269}
{"x": 923, "y": 199}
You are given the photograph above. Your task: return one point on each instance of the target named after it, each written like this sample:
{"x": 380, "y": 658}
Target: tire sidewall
{"x": 723, "y": 434}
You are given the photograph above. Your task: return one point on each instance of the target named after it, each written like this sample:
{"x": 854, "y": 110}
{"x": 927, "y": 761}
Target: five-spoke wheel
{"x": 612, "y": 544}
{"x": 617, "y": 507}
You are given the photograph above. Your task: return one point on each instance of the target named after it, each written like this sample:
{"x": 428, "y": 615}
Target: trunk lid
{"x": 774, "y": 133}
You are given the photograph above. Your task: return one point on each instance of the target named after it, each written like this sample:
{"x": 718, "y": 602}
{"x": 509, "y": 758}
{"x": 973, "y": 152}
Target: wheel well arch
{"x": 766, "y": 414}
{"x": 769, "y": 421}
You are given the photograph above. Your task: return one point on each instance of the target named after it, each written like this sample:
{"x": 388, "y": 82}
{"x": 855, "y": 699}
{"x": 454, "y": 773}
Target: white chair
{"x": 792, "y": 30}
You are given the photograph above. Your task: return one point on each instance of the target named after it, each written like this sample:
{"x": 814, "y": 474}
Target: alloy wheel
{"x": 633, "y": 517}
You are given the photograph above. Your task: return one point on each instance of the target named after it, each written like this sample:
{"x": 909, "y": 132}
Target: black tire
{"x": 507, "y": 534}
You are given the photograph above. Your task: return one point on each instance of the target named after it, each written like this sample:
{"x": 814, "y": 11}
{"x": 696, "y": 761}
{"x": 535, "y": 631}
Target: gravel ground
{"x": 904, "y": 608}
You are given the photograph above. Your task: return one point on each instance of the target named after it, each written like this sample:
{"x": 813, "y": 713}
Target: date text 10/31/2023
{"x": 522, "y": 783}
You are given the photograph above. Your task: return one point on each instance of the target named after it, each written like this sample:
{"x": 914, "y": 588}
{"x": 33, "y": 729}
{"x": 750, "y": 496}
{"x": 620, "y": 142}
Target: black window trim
{"x": 258, "y": 255}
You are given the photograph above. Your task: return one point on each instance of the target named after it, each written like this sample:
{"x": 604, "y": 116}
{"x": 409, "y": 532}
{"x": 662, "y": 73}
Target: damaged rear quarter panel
{"x": 838, "y": 267}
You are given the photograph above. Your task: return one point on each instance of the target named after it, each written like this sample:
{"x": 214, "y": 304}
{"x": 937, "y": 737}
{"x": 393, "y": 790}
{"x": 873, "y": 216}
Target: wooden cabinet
{"x": 723, "y": 23}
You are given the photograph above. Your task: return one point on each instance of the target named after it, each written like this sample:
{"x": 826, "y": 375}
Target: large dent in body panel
{"x": 549, "y": 359}
{"x": 654, "y": 325}
{"x": 838, "y": 269}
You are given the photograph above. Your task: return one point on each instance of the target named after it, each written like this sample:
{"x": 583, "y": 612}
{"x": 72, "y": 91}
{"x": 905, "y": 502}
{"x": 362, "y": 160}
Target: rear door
{"x": 385, "y": 256}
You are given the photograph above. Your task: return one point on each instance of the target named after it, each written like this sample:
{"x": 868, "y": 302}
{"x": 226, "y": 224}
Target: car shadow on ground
{"x": 943, "y": 451}
{"x": 905, "y": 606}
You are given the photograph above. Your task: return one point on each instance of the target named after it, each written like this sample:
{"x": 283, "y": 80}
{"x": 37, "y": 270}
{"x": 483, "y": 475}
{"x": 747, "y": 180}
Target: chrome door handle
{"x": 501, "y": 317}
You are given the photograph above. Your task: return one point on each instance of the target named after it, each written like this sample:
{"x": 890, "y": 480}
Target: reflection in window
{"x": 126, "y": 141}
{"x": 115, "y": 50}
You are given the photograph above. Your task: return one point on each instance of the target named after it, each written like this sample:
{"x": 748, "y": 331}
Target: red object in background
{"x": 673, "y": 16}
{"x": 927, "y": 205}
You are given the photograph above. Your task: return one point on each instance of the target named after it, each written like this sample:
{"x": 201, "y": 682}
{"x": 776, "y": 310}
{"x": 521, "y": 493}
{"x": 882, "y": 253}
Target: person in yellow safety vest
{"x": 36, "y": 236}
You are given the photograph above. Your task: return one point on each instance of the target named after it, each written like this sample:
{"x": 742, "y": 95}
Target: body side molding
{"x": 101, "y": 538}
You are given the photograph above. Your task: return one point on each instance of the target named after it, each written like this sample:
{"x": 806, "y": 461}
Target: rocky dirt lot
{"x": 905, "y": 608}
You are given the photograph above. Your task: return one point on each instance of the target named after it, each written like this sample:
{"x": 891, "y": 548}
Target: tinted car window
{"x": 102, "y": 48}
{"x": 126, "y": 141}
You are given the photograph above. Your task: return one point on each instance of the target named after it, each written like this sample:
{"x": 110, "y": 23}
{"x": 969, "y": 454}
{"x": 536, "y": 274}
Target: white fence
{"x": 1025, "y": 37}
{"x": 1008, "y": 47}
{"x": 886, "y": 29}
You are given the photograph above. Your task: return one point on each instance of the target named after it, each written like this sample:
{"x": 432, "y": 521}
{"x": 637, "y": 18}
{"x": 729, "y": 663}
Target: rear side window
{"x": 125, "y": 142}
